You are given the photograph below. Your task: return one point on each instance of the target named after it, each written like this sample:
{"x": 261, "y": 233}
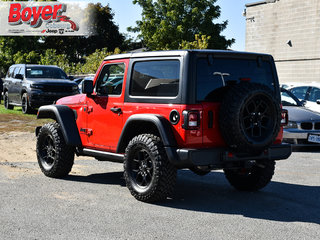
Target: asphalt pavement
{"x": 93, "y": 203}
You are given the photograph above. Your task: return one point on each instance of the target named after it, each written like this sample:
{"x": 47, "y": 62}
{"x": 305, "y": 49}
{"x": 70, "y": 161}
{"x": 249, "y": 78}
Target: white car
{"x": 309, "y": 94}
{"x": 303, "y": 128}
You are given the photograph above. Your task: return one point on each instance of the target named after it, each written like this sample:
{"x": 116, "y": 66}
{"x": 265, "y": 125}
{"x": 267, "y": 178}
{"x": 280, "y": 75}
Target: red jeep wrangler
{"x": 161, "y": 111}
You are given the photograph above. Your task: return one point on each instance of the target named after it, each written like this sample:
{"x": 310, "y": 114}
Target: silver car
{"x": 303, "y": 128}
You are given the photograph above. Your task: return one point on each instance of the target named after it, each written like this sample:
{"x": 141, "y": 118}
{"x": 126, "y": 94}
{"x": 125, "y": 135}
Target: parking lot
{"x": 93, "y": 202}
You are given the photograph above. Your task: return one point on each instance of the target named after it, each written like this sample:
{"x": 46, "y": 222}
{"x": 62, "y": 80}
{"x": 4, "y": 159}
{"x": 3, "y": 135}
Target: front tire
{"x": 251, "y": 179}
{"x": 26, "y": 109}
{"x": 149, "y": 175}
{"x": 6, "y": 101}
{"x": 55, "y": 158}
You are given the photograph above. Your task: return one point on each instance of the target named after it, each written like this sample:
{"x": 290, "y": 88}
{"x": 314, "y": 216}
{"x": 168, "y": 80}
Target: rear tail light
{"x": 191, "y": 120}
{"x": 284, "y": 117}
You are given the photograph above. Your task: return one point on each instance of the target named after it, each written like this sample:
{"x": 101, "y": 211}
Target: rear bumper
{"x": 220, "y": 158}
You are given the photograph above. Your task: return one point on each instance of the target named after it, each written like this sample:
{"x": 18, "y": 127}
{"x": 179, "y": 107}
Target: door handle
{"x": 116, "y": 110}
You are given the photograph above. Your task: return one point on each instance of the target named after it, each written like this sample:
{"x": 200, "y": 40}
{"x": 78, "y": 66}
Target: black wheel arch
{"x": 23, "y": 90}
{"x": 67, "y": 120}
{"x": 146, "y": 123}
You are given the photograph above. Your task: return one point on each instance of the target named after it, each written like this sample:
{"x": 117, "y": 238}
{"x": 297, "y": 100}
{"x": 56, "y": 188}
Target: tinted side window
{"x": 16, "y": 71}
{"x": 10, "y": 72}
{"x": 314, "y": 94}
{"x": 22, "y": 71}
{"x": 155, "y": 78}
{"x": 300, "y": 92}
{"x": 110, "y": 80}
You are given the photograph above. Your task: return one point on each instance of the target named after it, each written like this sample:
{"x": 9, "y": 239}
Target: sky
{"x": 126, "y": 14}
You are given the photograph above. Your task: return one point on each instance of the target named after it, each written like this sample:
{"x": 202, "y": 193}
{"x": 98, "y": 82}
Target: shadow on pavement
{"x": 115, "y": 178}
{"x": 212, "y": 193}
{"x": 278, "y": 201}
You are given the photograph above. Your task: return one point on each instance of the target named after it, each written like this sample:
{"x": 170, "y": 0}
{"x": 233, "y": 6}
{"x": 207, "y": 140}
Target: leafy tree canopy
{"x": 71, "y": 51}
{"x": 171, "y": 24}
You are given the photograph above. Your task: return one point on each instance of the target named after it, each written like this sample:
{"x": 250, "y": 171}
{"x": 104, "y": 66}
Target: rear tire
{"x": 55, "y": 158}
{"x": 149, "y": 175}
{"x": 251, "y": 179}
{"x": 6, "y": 101}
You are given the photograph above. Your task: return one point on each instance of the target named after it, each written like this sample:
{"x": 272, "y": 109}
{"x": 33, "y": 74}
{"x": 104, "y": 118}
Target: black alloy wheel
{"x": 55, "y": 157}
{"x": 141, "y": 168}
{"x": 249, "y": 117}
{"x": 257, "y": 118}
{"x": 149, "y": 175}
{"x": 47, "y": 153}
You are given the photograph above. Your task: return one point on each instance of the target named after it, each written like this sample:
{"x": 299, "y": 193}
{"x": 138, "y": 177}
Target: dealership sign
{"x": 43, "y": 18}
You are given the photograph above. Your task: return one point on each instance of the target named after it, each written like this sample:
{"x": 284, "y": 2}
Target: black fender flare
{"x": 161, "y": 123}
{"x": 67, "y": 120}
{"x": 22, "y": 91}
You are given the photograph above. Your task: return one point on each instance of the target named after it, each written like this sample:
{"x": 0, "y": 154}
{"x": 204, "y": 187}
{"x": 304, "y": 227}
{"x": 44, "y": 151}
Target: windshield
{"x": 288, "y": 99}
{"x": 216, "y": 73}
{"x": 46, "y": 72}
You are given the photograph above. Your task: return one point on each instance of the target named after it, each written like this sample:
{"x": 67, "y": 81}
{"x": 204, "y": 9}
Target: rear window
{"x": 155, "y": 78}
{"x": 220, "y": 72}
{"x": 46, "y": 72}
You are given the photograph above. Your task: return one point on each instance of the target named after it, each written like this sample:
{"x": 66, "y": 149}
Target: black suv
{"x": 32, "y": 86}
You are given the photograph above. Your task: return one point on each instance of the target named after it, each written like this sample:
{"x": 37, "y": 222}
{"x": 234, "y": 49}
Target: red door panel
{"x": 105, "y": 106}
{"x": 104, "y": 126}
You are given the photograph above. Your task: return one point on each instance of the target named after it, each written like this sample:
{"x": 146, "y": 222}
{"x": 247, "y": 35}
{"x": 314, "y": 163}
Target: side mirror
{"x": 19, "y": 76}
{"x": 318, "y": 101}
{"x": 87, "y": 87}
{"x": 71, "y": 77}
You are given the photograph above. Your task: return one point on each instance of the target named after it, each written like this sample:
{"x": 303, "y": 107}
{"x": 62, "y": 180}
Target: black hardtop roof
{"x": 171, "y": 53}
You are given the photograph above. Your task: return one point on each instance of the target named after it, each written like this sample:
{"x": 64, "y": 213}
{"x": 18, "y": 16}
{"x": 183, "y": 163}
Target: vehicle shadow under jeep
{"x": 114, "y": 178}
{"x": 277, "y": 202}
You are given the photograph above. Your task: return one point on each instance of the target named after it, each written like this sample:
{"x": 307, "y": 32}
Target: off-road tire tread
{"x": 64, "y": 153}
{"x": 164, "y": 172}
{"x": 229, "y": 115}
{"x": 260, "y": 177}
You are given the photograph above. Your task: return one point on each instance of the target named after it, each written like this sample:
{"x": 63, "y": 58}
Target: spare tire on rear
{"x": 249, "y": 117}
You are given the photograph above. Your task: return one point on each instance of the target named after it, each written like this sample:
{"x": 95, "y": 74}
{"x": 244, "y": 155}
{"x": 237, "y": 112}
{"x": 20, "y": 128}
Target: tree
{"x": 18, "y": 48}
{"x": 67, "y": 52}
{"x": 105, "y": 35}
{"x": 166, "y": 24}
{"x": 93, "y": 61}
{"x": 200, "y": 42}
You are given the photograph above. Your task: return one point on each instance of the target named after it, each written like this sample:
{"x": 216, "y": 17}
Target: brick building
{"x": 290, "y": 31}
